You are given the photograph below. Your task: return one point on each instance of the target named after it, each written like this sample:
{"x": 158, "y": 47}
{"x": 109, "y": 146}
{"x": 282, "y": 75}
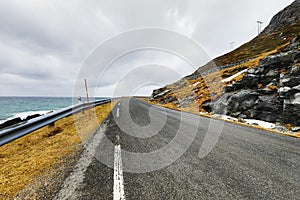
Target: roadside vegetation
{"x": 26, "y": 159}
{"x": 194, "y": 110}
{"x": 207, "y": 84}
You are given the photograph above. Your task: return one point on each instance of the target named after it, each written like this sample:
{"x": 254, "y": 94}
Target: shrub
{"x": 272, "y": 87}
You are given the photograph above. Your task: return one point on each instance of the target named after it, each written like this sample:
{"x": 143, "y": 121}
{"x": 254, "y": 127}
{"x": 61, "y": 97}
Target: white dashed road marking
{"x": 118, "y": 112}
{"x": 118, "y": 173}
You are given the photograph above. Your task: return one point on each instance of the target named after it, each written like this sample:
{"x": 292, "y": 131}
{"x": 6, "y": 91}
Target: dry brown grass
{"x": 295, "y": 135}
{"x": 272, "y": 87}
{"x": 24, "y": 159}
{"x": 193, "y": 110}
{"x": 209, "y": 87}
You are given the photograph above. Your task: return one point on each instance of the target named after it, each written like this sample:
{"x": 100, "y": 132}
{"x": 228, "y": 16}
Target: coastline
{"x": 49, "y": 147}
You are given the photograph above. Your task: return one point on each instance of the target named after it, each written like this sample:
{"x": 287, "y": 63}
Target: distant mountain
{"x": 289, "y": 16}
{"x": 265, "y": 62}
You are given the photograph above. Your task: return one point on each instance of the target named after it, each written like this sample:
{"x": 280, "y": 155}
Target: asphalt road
{"x": 160, "y": 159}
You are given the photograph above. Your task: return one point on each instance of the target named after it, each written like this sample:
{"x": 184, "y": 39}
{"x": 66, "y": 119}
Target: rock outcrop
{"x": 16, "y": 121}
{"x": 10, "y": 123}
{"x": 269, "y": 92}
{"x": 288, "y": 16}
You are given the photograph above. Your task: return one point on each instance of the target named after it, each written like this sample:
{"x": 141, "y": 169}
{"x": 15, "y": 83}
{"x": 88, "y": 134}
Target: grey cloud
{"x": 139, "y": 59}
{"x": 45, "y": 43}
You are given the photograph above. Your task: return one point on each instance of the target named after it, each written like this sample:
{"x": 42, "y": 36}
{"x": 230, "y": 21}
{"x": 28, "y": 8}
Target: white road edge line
{"x": 118, "y": 175}
{"x": 118, "y": 112}
{"x": 70, "y": 187}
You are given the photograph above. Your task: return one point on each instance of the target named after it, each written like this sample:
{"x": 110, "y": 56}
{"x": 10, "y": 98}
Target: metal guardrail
{"x": 9, "y": 134}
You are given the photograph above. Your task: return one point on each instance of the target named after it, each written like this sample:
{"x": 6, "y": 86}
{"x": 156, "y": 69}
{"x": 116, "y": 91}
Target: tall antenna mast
{"x": 259, "y": 23}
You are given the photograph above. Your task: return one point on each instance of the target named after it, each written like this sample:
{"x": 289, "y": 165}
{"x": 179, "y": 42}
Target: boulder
{"x": 228, "y": 88}
{"x": 295, "y": 71}
{"x": 158, "y": 91}
{"x": 281, "y": 128}
{"x": 290, "y": 81}
{"x": 11, "y": 122}
{"x": 236, "y": 103}
{"x": 291, "y": 108}
{"x": 250, "y": 81}
{"x": 272, "y": 73}
{"x": 277, "y": 99}
{"x": 32, "y": 116}
{"x": 295, "y": 129}
{"x": 256, "y": 70}
{"x": 186, "y": 101}
{"x": 296, "y": 88}
{"x": 266, "y": 91}
{"x": 269, "y": 103}
{"x": 265, "y": 116}
{"x": 283, "y": 91}
{"x": 207, "y": 106}
{"x": 167, "y": 99}
{"x": 161, "y": 94}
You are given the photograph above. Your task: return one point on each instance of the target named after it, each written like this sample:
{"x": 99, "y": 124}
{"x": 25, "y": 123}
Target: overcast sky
{"x": 44, "y": 44}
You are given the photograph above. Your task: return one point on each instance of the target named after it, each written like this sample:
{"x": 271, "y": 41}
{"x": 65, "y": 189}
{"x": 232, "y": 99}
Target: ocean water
{"x": 12, "y": 107}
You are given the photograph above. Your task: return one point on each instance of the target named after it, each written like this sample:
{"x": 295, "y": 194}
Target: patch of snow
{"x": 260, "y": 123}
{"x": 296, "y": 87}
{"x": 162, "y": 93}
{"x": 24, "y": 115}
{"x": 226, "y": 117}
{"x": 233, "y": 76}
{"x": 203, "y": 113}
{"x": 253, "y": 122}
{"x": 195, "y": 84}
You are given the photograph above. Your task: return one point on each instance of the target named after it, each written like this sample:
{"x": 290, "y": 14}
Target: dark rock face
{"x": 160, "y": 96}
{"x": 236, "y": 103}
{"x": 158, "y": 91}
{"x": 11, "y": 122}
{"x": 288, "y": 16}
{"x": 269, "y": 92}
{"x": 16, "y": 121}
{"x": 32, "y": 116}
{"x": 186, "y": 101}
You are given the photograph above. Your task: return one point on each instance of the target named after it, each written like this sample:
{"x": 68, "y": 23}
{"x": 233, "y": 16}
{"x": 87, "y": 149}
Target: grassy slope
{"x": 210, "y": 87}
{"x": 23, "y": 160}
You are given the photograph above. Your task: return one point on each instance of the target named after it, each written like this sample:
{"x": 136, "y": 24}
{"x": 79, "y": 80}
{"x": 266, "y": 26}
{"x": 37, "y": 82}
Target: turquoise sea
{"x": 12, "y": 107}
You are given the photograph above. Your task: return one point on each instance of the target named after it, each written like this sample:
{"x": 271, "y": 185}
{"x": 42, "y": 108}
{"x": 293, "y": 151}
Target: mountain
{"x": 285, "y": 18}
{"x": 258, "y": 80}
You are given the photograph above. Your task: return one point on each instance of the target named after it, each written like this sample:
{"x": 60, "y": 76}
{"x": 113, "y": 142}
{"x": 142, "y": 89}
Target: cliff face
{"x": 269, "y": 92}
{"x": 287, "y": 17}
{"x": 266, "y": 86}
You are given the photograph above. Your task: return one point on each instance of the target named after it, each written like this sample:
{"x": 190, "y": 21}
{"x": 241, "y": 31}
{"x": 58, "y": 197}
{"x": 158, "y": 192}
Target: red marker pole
{"x": 87, "y": 97}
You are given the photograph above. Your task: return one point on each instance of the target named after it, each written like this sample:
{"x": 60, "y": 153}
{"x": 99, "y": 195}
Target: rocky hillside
{"x": 266, "y": 63}
{"x": 269, "y": 92}
{"x": 285, "y": 18}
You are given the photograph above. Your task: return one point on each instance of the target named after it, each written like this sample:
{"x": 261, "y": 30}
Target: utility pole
{"x": 87, "y": 97}
{"x": 231, "y": 45}
{"x": 259, "y": 23}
